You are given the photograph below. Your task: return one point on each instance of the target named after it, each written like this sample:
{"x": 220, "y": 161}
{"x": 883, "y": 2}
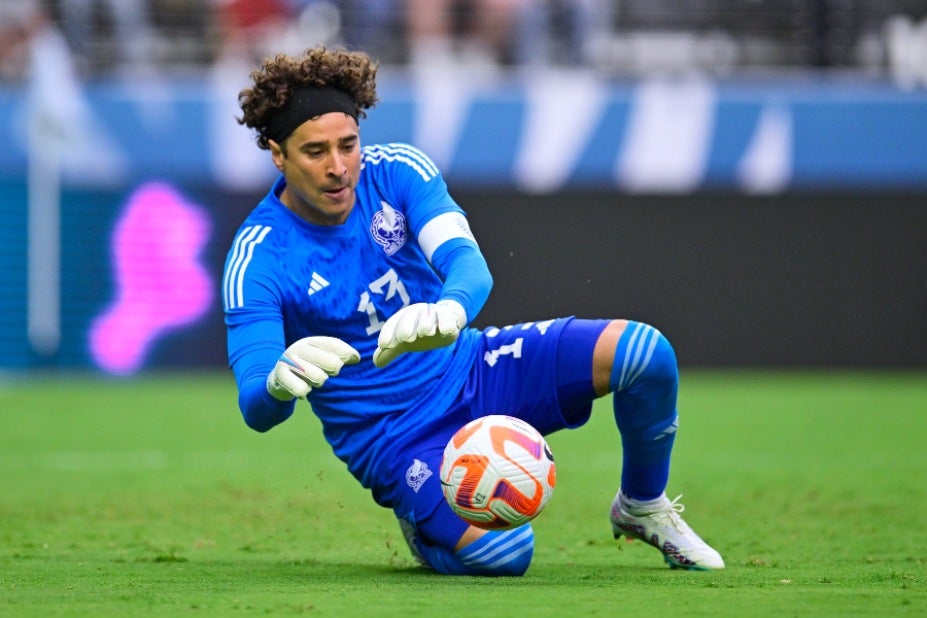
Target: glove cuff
{"x": 276, "y": 390}
{"x": 457, "y": 309}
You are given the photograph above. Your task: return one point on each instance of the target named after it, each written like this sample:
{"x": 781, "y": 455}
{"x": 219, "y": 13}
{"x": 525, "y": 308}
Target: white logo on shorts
{"x": 417, "y": 474}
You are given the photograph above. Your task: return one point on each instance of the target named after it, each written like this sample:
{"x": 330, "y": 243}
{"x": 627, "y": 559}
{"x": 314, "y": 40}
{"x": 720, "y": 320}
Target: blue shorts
{"x": 540, "y": 372}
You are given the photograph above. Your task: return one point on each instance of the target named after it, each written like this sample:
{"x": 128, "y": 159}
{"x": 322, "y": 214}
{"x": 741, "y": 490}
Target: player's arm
{"x": 269, "y": 381}
{"x": 455, "y": 255}
{"x": 270, "y": 374}
{"x": 452, "y": 250}
{"x": 259, "y": 409}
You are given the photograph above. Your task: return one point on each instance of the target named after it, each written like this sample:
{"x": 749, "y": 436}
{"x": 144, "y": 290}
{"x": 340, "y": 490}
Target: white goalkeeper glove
{"x": 307, "y": 364}
{"x": 419, "y": 327}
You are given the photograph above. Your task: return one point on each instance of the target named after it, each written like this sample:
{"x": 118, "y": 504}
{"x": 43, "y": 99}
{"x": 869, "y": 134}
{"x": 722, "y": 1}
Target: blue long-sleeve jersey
{"x": 286, "y": 279}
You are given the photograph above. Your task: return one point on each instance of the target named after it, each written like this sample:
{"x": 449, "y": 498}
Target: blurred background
{"x": 748, "y": 175}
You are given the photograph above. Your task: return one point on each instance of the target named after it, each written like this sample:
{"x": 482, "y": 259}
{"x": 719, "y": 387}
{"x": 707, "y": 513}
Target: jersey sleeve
{"x": 465, "y": 273}
{"x": 254, "y": 325}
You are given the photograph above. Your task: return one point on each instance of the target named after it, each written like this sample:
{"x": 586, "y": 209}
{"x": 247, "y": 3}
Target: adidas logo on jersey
{"x": 318, "y": 283}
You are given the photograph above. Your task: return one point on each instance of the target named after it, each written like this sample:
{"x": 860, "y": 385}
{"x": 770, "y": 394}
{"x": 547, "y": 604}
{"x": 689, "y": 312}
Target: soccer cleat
{"x": 408, "y": 533}
{"x": 681, "y": 547}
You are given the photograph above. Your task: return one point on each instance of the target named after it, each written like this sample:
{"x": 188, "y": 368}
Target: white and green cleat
{"x": 663, "y": 528}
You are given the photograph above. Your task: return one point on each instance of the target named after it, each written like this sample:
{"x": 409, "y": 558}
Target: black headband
{"x": 308, "y": 102}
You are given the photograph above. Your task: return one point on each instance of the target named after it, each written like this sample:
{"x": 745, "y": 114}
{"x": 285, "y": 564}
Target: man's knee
{"x": 643, "y": 355}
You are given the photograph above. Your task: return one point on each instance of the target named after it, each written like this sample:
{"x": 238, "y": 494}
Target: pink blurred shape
{"x": 160, "y": 283}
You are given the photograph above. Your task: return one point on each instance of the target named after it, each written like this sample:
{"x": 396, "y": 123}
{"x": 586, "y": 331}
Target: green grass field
{"x": 151, "y": 497}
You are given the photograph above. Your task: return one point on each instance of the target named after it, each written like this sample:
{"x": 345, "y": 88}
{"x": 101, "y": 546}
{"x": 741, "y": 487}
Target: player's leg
{"x": 548, "y": 373}
{"x": 491, "y": 553}
{"x": 441, "y": 540}
{"x": 476, "y": 552}
{"x": 540, "y": 372}
{"x": 642, "y": 374}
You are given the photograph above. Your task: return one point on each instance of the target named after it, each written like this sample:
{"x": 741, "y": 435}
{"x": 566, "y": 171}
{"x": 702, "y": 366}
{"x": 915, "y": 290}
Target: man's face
{"x": 320, "y": 161}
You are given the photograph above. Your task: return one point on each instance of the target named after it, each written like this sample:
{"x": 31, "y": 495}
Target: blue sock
{"x": 496, "y": 553}
{"x": 500, "y": 552}
{"x": 644, "y": 383}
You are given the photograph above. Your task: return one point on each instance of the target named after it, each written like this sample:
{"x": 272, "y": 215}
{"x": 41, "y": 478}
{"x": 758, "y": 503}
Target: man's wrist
{"x": 456, "y": 308}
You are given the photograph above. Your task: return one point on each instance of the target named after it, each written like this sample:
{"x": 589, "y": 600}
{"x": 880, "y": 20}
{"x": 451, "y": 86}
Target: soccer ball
{"x": 498, "y": 472}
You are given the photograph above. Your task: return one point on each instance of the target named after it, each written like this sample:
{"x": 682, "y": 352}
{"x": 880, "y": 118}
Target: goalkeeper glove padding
{"x": 306, "y": 364}
{"x": 419, "y": 327}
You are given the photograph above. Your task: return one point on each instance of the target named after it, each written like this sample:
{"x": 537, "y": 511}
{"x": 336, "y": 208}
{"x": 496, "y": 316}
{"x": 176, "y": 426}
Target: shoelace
{"x": 688, "y": 541}
{"x": 671, "y": 515}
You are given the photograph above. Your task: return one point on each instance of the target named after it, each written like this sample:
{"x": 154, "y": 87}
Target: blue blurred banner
{"x": 545, "y": 133}
{"x": 118, "y": 203}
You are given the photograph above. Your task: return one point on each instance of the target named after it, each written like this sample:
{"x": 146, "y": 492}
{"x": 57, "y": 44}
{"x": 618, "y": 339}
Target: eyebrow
{"x": 324, "y": 143}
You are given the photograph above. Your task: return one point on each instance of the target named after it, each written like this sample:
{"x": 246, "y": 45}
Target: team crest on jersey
{"x": 417, "y": 474}
{"x": 388, "y": 228}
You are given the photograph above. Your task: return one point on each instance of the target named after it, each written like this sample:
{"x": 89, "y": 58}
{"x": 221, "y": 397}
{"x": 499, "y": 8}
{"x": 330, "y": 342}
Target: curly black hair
{"x": 351, "y": 71}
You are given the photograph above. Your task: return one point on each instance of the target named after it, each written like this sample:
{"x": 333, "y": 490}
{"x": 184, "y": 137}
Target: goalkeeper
{"x": 352, "y": 284}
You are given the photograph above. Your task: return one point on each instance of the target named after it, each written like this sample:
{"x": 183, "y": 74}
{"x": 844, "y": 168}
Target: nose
{"x": 338, "y": 167}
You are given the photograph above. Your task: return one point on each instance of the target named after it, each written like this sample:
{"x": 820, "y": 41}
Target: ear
{"x": 277, "y": 154}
